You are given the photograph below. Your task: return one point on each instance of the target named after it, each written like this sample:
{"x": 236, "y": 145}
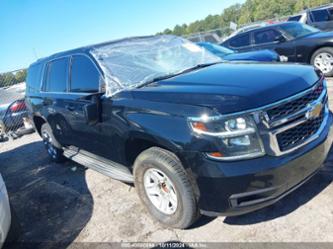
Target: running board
{"x": 100, "y": 164}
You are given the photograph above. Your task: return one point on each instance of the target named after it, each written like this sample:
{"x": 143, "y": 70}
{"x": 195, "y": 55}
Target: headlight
{"x": 238, "y": 137}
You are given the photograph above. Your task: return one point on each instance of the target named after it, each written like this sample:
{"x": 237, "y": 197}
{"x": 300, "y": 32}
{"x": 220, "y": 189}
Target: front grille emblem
{"x": 314, "y": 111}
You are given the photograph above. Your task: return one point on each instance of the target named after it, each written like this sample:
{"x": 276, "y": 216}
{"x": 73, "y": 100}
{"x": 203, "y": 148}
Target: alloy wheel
{"x": 324, "y": 62}
{"x": 160, "y": 191}
{"x": 47, "y": 139}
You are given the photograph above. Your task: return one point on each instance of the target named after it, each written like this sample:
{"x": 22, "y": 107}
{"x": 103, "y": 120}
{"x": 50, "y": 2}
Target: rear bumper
{"x": 234, "y": 188}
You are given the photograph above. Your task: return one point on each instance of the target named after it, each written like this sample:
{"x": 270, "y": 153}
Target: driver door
{"x": 85, "y": 80}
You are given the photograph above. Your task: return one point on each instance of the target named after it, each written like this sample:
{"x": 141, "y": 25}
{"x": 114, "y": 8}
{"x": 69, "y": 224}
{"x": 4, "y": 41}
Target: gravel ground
{"x": 67, "y": 203}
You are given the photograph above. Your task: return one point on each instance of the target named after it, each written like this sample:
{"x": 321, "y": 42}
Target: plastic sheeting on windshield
{"x": 132, "y": 62}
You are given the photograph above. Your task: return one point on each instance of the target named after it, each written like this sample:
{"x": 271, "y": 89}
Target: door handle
{"x": 70, "y": 107}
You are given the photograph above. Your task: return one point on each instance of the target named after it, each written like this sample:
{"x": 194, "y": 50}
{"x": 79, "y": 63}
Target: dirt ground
{"x": 67, "y": 203}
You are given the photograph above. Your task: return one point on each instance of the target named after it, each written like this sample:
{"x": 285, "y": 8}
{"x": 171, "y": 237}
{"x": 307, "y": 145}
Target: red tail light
{"x": 18, "y": 106}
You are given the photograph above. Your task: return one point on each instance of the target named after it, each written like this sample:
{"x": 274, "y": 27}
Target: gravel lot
{"x": 67, "y": 203}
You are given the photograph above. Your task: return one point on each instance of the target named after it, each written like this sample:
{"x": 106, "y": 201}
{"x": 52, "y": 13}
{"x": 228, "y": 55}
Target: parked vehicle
{"x": 14, "y": 119}
{"x": 299, "y": 42}
{"x": 230, "y": 55}
{"x": 5, "y": 215}
{"x": 320, "y": 17}
{"x": 195, "y": 135}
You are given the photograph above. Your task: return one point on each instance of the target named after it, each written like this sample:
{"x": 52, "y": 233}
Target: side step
{"x": 100, "y": 164}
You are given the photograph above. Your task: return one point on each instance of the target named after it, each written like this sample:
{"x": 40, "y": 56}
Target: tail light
{"x": 18, "y": 106}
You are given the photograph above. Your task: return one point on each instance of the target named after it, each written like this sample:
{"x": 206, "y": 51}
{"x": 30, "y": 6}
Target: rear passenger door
{"x": 241, "y": 43}
{"x": 54, "y": 97}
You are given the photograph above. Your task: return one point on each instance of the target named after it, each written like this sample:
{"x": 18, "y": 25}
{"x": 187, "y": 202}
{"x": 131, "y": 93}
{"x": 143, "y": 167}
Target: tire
{"x": 180, "y": 212}
{"x": 15, "y": 228}
{"x": 53, "y": 147}
{"x": 323, "y": 60}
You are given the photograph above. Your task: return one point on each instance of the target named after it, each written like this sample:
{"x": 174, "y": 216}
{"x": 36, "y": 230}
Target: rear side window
{"x": 84, "y": 75}
{"x": 320, "y": 15}
{"x": 266, "y": 36}
{"x": 56, "y": 75}
{"x": 34, "y": 78}
{"x": 294, "y": 18}
{"x": 240, "y": 41}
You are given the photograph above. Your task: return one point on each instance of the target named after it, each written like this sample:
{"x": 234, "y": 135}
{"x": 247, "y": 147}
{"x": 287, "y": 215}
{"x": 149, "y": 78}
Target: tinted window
{"x": 240, "y": 41}
{"x": 57, "y": 74}
{"x": 84, "y": 75}
{"x": 320, "y": 15}
{"x": 294, "y": 18}
{"x": 266, "y": 36}
{"x": 34, "y": 78}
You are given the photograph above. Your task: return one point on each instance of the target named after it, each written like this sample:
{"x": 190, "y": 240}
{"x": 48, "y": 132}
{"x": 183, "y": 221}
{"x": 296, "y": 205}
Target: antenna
{"x": 35, "y": 53}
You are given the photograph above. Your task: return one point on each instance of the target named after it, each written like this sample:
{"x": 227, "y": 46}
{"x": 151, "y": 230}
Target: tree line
{"x": 12, "y": 78}
{"x": 250, "y": 11}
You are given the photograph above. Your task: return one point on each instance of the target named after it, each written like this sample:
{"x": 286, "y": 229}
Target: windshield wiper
{"x": 167, "y": 76}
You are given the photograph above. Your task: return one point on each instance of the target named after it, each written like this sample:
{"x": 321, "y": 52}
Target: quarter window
{"x": 84, "y": 75}
{"x": 57, "y": 74}
{"x": 266, "y": 36}
{"x": 240, "y": 41}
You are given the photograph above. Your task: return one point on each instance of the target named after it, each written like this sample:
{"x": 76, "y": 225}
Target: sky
{"x": 32, "y": 29}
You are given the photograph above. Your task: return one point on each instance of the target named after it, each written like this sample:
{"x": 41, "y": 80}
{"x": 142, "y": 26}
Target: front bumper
{"x": 234, "y": 188}
{"x": 5, "y": 216}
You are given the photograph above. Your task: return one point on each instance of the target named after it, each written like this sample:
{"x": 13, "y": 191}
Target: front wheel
{"x": 323, "y": 60}
{"x": 164, "y": 188}
{"x": 51, "y": 144}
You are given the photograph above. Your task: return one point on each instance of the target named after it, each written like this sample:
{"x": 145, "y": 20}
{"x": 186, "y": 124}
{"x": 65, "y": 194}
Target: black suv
{"x": 194, "y": 135}
{"x": 299, "y": 42}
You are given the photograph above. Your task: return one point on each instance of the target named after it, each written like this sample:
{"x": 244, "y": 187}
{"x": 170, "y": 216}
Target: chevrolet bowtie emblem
{"x": 314, "y": 111}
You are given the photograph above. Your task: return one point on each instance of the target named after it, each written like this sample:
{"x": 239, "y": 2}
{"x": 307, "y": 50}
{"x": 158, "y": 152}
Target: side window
{"x": 34, "y": 78}
{"x": 240, "y": 41}
{"x": 84, "y": 75}
{"x": 266, "y": 36}
{"x": 320, "y": 15}
{"x": 57, "y": 75}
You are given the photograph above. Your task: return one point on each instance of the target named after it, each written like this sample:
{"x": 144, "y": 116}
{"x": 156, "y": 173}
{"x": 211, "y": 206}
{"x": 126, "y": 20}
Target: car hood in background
{"x": 319, "y": 35}
{"x": 232, "y": 87}
{"x": 261, "y": 55}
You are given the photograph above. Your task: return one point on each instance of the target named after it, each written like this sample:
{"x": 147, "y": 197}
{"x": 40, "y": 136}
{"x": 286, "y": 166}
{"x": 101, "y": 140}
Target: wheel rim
{"x": 47, "y": 139}
{"x": 324, "y": 62}
{"x": 160, "y": 191}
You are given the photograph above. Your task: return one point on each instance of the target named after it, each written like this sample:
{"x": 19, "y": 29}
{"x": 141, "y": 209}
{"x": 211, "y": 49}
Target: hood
{"x": 261, "y": 55}
{"x": 232, "y": 87}
{"x": 320, "y": 35}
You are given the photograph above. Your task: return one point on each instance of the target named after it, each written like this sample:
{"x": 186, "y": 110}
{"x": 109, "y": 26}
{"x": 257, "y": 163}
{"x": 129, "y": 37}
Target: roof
{"x": 88, "y": 48}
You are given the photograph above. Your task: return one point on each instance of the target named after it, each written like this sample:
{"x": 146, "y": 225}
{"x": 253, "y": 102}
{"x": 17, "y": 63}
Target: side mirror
{"x": 92, "y": 111}
{"x": 279, "y": 39}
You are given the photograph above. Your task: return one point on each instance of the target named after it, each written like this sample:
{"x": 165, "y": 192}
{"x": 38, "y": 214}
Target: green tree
{"x": 21, "y": 75}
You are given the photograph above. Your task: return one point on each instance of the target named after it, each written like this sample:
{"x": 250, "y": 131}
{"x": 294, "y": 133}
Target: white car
{"x": 5, "y": 215}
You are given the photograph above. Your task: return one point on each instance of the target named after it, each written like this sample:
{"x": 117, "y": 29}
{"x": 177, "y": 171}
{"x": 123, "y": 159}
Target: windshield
{"x": 296, "y": 29}
{"x": 135, "y": 61}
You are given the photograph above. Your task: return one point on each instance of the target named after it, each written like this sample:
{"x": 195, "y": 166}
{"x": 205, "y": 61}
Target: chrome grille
{"x": 295, "y": 121}
{"x": 300, "y": 133}
{"x": 297, "y": 104}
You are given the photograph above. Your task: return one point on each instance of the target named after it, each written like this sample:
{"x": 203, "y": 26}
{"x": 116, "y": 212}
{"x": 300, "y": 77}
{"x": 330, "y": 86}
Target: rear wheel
{"x": 53, "y": 147}
{"x": 164, "y": 188}
{"x": 323, "y": 60}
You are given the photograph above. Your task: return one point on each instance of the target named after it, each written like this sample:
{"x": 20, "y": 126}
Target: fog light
{"x": 239, "y": 141}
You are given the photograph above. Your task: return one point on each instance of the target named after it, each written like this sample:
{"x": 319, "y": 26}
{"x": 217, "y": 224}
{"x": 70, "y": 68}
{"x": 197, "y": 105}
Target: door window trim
{"x": 266, "y": 43}
{"x": 69, "y": 56}
{"x": 100, "y": 72}
{"x": 242, "y": 34}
